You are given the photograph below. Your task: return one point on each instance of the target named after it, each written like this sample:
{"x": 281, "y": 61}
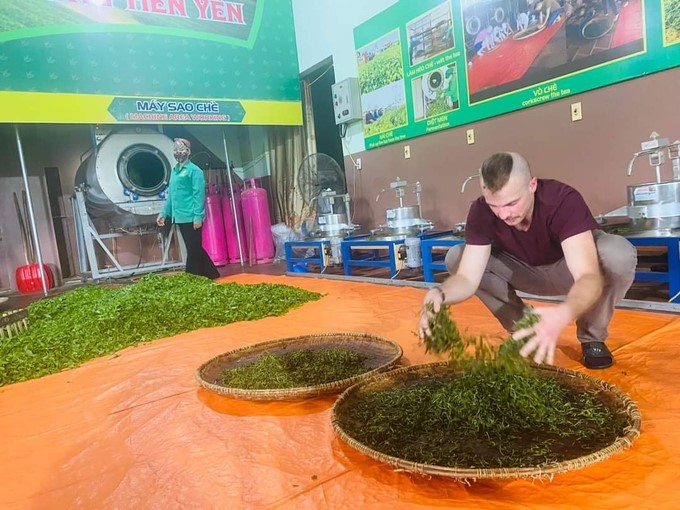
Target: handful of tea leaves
{"x": 445, "y": 337}
{"x": 510, "y": 348}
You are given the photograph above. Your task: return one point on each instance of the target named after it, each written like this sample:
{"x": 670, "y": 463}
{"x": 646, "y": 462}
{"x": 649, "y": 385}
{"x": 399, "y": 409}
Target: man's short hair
{"x": 496, "y": 171}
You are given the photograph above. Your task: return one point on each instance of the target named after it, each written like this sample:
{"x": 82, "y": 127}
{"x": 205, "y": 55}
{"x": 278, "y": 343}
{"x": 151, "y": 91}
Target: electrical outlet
{"x": 407, "y": 151}
{"x": 576, "y": 112}
{"x": 358, "y": 164}
{"x": 470, "y": 136}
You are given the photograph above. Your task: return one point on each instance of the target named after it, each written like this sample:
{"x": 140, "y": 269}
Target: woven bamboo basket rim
{"x": 382, "y": 354}
{"x": 623, "y": 403}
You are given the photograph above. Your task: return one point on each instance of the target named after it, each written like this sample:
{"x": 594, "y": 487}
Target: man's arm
{"x": 462, "y": 285}
{"x": 459, "y": 286}
{"x": 580, "y": 254}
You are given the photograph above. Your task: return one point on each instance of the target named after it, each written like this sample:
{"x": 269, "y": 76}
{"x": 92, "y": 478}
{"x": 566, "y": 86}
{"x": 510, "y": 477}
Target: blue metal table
{"x": 322, "y": 250}
{"x": 376, "y": 249}
{"x": 435, "y": 262}
{"x": 672, "y": 276}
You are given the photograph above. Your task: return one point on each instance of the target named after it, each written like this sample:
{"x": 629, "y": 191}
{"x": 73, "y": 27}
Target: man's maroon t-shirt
{"x": 559, "y": 213}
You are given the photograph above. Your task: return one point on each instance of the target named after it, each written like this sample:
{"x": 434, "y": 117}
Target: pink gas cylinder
{"x": 230, "y": 226}
{"x": 257, "y": 224}
{"x": 213, "y": 230}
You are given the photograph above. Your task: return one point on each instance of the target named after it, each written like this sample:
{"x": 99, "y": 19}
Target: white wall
{"x": 43, "y": 146}
{"x": 324, "y": 28}
{"x": 11, "y": 245}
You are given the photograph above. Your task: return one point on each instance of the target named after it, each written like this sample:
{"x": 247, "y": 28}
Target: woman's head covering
{"x": 181, "y": 149}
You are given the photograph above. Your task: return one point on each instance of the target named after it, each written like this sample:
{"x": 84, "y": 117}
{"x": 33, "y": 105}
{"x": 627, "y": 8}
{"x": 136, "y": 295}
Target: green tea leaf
{"x": 91, "y": 321}
{"x": 301, "y": 368}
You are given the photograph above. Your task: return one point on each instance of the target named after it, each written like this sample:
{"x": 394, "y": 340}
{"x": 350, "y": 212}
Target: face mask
{"x": 181, "y": 150}
{"x": 181, "y": 155}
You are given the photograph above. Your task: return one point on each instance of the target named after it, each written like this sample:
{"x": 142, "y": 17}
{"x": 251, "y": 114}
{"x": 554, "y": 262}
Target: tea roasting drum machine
{"x": 120, "y": 189}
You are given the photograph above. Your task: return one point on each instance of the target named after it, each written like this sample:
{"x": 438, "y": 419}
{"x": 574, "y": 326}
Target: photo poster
{"x": 149, "y": 62}
{"x": 434, "y": 64}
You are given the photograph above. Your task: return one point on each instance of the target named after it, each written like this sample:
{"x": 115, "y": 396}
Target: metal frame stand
{"x": 395, "y": 259}
{"x": 87, "y": 236}
{"x": 431, "y": 262}
{"x": 391, "y": 261}
{"x": 672, "y": 276}
{"x": 322, "y": 250}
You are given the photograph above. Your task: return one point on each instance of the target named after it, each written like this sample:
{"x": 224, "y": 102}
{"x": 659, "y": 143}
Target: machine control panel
{"x": 346, "y": 101}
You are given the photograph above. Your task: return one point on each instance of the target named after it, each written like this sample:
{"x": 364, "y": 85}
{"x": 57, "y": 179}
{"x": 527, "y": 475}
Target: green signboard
{"x": 433, "y": 64}
{"x": 155, "y": 61}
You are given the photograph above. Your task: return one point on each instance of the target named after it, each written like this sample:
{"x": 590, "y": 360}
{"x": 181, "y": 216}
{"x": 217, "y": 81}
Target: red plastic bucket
{"x": 28, "y": 278}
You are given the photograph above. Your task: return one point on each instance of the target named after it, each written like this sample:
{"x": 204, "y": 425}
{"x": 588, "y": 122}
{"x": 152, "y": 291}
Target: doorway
{"x": 321, "y": 77}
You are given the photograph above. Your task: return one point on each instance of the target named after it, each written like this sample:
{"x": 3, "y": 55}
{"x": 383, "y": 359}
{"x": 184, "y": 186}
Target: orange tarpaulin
{"x": 134, "y": 431}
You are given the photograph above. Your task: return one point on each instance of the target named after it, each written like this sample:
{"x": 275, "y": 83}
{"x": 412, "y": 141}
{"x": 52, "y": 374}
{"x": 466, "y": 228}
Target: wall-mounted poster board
{"x": 433, "y": 64}
{"x": 149, "y": 61}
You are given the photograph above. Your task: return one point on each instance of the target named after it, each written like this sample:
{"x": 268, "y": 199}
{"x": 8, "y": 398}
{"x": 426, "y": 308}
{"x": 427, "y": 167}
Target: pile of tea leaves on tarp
{"x": 91, "y": 321}
{"x": 296, "y": 369}
{"x": 492, "y": 411}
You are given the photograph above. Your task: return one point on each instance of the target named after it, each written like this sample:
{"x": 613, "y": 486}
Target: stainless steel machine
{"x": 332, "y": 222}
{"x": 332, "y": 215}
{"x": 120, "y": 189}
{"x": 405, "y": 222}
{"x": 654, "y": 207}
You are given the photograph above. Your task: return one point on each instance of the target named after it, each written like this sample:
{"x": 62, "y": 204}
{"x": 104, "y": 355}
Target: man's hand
{"x": 436, "y": 297}
{"x": 546, "y": 332}
{"x": 197, "y": 224}
{"x": 160, "y": 221}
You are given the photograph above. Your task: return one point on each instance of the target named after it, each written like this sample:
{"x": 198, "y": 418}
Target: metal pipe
{"x": 475, "y": 176}
{"x": 345, "y": 199}
{"x": 647, "y": 152}
{"x": 31, "y": 213}
{"x": 418, "y": 203}
{"x": 233, "y": 200}
{"x": 629, "y": 170}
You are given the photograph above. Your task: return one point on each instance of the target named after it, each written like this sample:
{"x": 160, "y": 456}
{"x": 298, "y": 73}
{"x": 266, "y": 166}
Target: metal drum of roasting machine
{"x": 126, "y": 176}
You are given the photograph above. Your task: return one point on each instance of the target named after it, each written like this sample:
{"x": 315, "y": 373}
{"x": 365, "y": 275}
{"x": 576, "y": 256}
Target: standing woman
{"x": 186, "y": 207}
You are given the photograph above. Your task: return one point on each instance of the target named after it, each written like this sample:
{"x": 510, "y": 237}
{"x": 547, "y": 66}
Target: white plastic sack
{"x": 282, "y": 233}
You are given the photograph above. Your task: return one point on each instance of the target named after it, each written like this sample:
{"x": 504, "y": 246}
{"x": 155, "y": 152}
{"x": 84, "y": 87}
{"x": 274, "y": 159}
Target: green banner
{"x": 433, "y": 64}
{"x": 88, "y": 61}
